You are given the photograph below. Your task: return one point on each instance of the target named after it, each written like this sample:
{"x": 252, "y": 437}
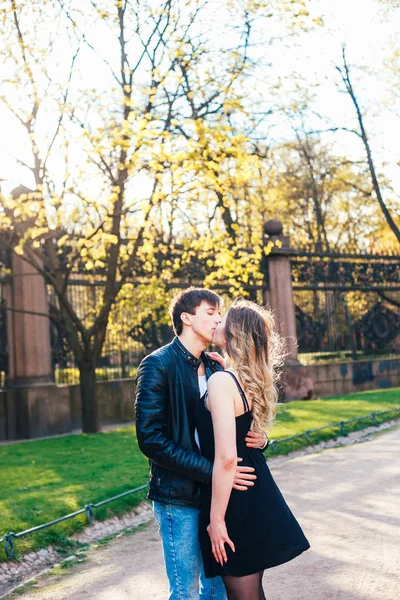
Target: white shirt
{"x": 203, "y": 389}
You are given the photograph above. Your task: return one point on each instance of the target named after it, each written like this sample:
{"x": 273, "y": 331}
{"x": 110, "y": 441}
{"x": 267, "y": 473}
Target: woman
{"x": 243, "y": 533}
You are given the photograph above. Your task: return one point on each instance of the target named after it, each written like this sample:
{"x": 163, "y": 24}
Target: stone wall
{"x": 45, "y": 410}
{"x": 335, "y": 379}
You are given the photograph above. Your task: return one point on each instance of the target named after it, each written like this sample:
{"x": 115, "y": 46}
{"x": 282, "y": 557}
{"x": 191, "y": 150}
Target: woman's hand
{"x": 218, "y": 358}
{"x": 219, "y": 537}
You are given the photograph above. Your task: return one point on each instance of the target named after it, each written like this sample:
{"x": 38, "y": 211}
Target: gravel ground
{"x": 346, "y": 499}
{"x": 14, "y": 573}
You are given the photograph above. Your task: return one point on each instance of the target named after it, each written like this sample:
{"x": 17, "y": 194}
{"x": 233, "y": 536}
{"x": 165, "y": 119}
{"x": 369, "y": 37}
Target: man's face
{"x": 219, "y": 334}
{"x": 205, "y": 320}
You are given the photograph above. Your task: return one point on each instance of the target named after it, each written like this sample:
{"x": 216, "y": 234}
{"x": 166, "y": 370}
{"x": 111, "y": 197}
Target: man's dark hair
{"x": 187, "y": 301}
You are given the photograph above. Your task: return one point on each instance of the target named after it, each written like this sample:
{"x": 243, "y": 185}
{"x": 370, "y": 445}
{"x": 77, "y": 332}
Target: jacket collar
{"x": 184, "y": 352}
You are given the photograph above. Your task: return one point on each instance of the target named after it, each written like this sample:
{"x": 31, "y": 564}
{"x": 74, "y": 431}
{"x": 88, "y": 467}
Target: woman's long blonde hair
{"x": 255, "y": 351}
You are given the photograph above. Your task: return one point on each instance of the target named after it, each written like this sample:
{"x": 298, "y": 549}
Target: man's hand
{"x": 244, "y": 477}
{"x": 256, "y": 440}
{"x": 218, "y": 358}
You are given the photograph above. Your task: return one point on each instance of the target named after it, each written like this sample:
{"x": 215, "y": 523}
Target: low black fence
{"x": 88, "y": 509}
{"x": 340, "y": 425}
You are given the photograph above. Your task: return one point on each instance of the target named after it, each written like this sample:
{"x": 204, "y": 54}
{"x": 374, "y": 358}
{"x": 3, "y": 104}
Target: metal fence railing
{"x": 8, "y": 538}
{"x": 340, "y": 424}
{"x": 88, "y": 509}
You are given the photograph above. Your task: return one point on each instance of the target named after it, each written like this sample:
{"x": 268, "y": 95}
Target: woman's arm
{"x": 221, "y": 393}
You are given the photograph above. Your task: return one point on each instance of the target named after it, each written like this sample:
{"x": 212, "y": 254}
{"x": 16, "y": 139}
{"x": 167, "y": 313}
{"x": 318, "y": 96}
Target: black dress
{"x": 259, "y": 522}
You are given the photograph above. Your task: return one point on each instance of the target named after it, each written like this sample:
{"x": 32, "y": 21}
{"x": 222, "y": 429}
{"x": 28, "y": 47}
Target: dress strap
{"x": 242, "y": 394}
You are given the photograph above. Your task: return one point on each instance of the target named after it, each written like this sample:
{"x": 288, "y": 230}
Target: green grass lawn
{"x": 299, "y": 416}
{"x": 43, "y": 480}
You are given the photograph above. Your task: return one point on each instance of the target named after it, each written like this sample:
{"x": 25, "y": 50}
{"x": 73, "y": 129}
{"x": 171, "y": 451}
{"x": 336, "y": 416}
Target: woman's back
{"x": 204, "y": 422}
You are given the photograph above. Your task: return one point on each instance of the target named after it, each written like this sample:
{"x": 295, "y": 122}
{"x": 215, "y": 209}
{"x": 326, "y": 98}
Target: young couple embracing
{"x": 200, "y": 419}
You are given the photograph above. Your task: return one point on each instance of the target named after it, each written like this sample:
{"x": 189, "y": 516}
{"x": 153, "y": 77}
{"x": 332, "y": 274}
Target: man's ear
{"x": 185, "y": 318}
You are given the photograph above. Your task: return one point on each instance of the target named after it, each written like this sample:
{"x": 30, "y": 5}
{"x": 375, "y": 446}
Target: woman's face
{"x": 219, "y": 334}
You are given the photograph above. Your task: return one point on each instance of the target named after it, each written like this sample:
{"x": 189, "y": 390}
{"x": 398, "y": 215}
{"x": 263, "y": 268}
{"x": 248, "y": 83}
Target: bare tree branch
{"x": 345, "y": 75}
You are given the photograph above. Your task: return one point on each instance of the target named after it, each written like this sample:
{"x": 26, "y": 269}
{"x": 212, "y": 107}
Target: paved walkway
{"x": 346, "y": 499}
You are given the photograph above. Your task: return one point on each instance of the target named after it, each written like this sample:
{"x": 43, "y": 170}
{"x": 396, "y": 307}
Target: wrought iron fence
{"x": 123, "y": 348}
{"x": 3, "y": 339}
{"x": 135, "y": 329}
{"x": 5, "y": 263}
{"x": 346, "y": 304}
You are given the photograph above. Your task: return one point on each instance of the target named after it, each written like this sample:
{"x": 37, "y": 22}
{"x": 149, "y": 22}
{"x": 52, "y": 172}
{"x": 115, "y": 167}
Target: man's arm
{"x": 151, "y": 425}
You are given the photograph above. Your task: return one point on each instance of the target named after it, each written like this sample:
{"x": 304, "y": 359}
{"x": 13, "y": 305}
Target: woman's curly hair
{"x": 256, "y": 352}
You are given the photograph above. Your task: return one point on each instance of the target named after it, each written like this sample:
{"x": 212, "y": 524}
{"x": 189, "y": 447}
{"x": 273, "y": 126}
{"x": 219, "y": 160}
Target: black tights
{"x": 248, "y": 587}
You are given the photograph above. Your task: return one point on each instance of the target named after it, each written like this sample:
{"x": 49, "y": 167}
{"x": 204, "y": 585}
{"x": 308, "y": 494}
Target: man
{"x": 168, "y": 388}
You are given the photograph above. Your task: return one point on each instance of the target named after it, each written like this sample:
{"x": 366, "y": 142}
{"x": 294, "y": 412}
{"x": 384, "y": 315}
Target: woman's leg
{"x": 211, "y": 589}
{"x": 248, "y": 587}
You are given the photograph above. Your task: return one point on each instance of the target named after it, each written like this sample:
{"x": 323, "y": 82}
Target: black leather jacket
{"x": 166, "y": 395}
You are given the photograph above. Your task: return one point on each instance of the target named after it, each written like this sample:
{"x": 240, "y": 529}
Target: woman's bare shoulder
{"x": 221, "y": 392}
{"x": 221, "y": 379}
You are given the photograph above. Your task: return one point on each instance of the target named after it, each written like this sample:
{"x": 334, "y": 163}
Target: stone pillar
{"x": 278, "y": 291}
{"x": 278, "y": 294}
{"x": 34, "y": 405}
{"x": 28, "y": 334}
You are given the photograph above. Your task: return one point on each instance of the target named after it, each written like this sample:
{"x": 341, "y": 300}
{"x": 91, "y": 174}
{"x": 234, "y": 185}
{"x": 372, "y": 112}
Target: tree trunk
{"x": 87, "y": 374}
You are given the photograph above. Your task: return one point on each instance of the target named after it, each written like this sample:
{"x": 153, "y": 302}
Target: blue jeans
{"x": 178, "y": 527}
